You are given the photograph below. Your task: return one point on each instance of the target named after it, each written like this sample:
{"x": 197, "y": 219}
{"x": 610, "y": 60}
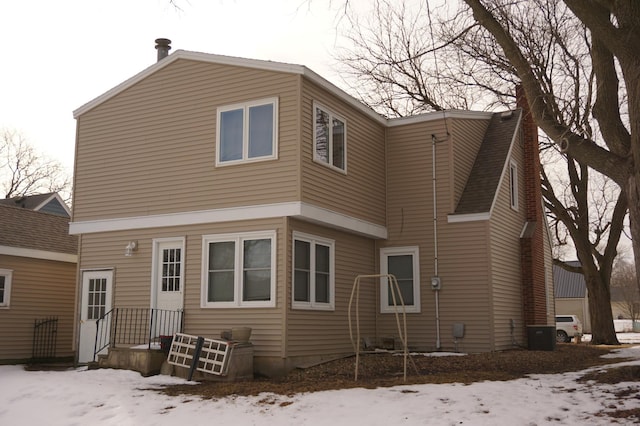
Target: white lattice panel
{"x": 214, "y": 355}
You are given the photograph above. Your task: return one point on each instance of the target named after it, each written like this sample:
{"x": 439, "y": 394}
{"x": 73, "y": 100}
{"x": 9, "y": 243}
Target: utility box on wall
{"x": 541, "y": 337}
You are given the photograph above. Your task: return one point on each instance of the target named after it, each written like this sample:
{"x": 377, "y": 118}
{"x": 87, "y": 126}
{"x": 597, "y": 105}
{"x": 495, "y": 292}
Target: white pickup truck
{"x": 567, "y": 328}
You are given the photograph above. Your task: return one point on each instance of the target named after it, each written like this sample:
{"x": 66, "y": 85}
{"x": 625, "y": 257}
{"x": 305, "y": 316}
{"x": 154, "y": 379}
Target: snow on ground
{"x": 119, "y": 397}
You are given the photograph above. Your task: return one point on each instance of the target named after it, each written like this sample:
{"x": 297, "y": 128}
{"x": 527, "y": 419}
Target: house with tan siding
{"x": 247, "y": 193}
{"x": 38, "y": 262}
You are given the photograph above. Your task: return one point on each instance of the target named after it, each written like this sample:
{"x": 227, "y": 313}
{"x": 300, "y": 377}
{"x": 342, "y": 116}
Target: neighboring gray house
{"x": 45, "y": 203}
{"x": 572, "y": 297}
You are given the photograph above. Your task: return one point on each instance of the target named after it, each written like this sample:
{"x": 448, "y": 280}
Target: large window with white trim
{"x": 404, "y": 264}
{"x": 247, "y": 132}
{"x": 329, "y": 138}
{"x": 5, "y": 287}
{"x": 313, "y": 272}
{"x": 239, "y": 270}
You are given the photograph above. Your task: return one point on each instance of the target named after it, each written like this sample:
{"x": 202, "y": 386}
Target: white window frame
{"x": 238, "y": 239}
{"x": 244, "y": 106}
{"x": 513, "y": 185}
{"x": 7, "y": 274}
{"x": 332, "y": 115}
{"x": 313, "y": 241}
{"x": 385, "y": 253}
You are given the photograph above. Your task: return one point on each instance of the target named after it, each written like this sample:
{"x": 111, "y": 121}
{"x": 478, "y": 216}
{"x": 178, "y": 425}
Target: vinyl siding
{"x": 464, "y": 295}
{"x": 361, "y": 191}
{"x": 151, "y": 148}
{"x": 318, "y": 333}
{"x": 506, "y": 271}
{"x": 467, "y": 137}
{"x": 132, "y": 279}
{"x": 39, "y": 289}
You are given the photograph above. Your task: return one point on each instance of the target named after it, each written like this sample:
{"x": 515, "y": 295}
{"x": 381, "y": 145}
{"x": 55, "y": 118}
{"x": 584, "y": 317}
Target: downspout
{"x": 435, "y": 280}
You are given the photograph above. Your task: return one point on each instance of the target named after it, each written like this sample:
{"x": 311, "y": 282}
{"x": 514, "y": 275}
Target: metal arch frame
{"x": 402, "y": 331}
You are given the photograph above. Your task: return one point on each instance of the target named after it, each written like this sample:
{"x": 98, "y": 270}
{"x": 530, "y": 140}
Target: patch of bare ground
{"x": 385, "y": 369}
{"x": 615, "y": 375}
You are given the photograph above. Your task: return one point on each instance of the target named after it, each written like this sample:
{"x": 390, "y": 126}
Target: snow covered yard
{"x": 117, "y": 397}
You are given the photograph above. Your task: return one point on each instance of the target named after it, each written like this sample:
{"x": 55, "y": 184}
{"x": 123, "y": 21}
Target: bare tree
{"x": 611, "y": 35}
{"x": 625, "y": 285}
{"x": 24, "y": 171}
{"x": 412, "y": 63}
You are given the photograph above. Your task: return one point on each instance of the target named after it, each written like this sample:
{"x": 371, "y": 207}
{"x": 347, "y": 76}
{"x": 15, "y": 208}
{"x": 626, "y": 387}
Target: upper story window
{"x": 329, "y": 138}
{"x": 403, "y": 263}
{"x": 239, "y": 270}
{"x": 247, "y": 132}
{"x": 5, "y": 287}
{"x": 513, "y": 184}
{"x": 313, "y": 272}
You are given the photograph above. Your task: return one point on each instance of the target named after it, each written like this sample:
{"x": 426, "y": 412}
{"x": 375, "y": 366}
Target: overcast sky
{"x": 58, "y": 55}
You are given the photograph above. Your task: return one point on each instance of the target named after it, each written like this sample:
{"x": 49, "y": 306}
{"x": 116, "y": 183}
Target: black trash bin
{"x": 541, "y": 337}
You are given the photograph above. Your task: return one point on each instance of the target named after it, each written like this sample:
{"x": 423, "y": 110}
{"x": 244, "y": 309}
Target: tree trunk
{"x": 602, "y": 329}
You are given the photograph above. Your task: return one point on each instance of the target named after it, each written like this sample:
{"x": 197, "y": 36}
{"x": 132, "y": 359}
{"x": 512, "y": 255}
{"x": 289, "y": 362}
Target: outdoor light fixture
{"x": 130, "y": 248}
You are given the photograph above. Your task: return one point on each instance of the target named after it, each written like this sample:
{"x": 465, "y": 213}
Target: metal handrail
{"x": 135, "y": 326}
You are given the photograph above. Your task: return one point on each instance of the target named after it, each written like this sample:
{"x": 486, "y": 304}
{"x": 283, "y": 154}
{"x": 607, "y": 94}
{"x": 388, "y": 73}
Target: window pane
{"x": 2, "y": 281}
{"x": 402, "y": 268}
{"x": 231, "y": 135}
{"x": 257, "y": 254}
{"x": 220, "y": 286}
{"x": 322, "y": 287}
{"x": 338, "y": 143}
{"x": 302, "y": 255}
{"x": 301, "y": 286}
{"x": 260, "y": 131}
{"x": 322, "y": 135}
{"x": 257, "y": 285}
{"x": 222, "y": 255}
{"x": 322, "y": 258}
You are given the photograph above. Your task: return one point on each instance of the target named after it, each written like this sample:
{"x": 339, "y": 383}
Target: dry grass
{"x": 384, "y": 369}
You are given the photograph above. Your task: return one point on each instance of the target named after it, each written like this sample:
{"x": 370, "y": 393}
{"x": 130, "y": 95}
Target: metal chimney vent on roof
{"x": 163, "y": 45}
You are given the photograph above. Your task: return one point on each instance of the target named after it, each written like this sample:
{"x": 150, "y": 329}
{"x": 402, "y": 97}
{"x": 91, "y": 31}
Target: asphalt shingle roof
{"x": 25, "y": 228}
{"x": 481, "y": 187}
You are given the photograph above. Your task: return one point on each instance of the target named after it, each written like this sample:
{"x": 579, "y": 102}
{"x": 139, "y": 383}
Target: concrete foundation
{"x": 145, "y": 361}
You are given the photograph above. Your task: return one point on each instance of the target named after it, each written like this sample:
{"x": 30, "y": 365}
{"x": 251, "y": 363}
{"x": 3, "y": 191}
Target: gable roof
{"x": 274, "y": 67}
{"x": 569, "y": 285}
{"x": 490, "y": 164}
{"x": 50, "y": 202}
{"x": 22, "y": 228}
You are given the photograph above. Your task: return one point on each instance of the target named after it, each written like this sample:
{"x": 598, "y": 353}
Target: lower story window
{"x": 313, "y": 272}
{"x": 5, "y": 287}
{"x": 239, "y": 270}
{"x": 403, "y": 263}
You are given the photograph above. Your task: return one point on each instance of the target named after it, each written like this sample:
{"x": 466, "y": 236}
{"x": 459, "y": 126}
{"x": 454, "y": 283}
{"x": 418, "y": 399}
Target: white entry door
{"x": 97, "y": 289}
{"x": 169, "y": 285}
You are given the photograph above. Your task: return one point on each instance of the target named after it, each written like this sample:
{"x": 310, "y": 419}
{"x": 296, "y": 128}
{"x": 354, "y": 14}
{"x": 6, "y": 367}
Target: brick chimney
{"x": 532, "y": 242}
{"x": 163, "y": 46}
